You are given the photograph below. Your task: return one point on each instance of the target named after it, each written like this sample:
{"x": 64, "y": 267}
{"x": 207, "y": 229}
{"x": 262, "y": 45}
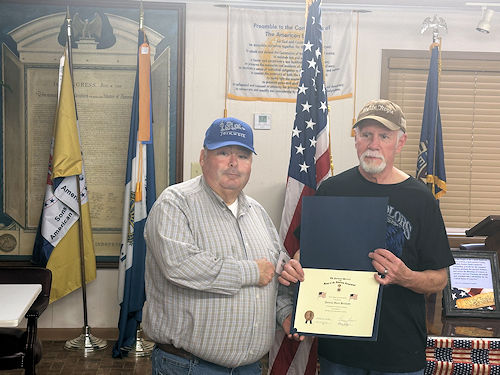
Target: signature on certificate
{"x": 345, "y": 322}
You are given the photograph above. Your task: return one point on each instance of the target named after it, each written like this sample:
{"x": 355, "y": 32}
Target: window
{"x": 469, "y": 100}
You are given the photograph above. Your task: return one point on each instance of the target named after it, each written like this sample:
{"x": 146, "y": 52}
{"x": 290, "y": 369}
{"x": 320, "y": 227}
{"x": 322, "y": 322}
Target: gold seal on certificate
{"x": 337, "y": 302}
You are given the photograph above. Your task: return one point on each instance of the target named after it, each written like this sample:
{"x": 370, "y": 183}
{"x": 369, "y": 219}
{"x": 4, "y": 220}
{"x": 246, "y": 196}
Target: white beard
{"x": 372, "y": 168}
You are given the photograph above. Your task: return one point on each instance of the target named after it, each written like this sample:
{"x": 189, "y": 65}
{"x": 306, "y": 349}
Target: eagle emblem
{"x": 87, "y": 29}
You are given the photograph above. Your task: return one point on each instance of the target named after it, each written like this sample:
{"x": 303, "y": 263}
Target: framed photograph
{"x": 473, "y": 285}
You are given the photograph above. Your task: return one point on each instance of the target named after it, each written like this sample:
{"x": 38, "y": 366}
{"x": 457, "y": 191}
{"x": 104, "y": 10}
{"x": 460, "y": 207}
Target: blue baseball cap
{"x": 229, "y": 131}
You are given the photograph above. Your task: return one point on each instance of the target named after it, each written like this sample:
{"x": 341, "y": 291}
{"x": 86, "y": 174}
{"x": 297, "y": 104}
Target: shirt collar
{"x": 243, "y": 202}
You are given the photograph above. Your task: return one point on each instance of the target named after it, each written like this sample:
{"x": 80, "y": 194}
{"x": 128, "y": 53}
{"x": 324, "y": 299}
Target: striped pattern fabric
{"x": 455, "y": 356}
{"x": 201, "y": 276}
{"x": 309, "y": 166}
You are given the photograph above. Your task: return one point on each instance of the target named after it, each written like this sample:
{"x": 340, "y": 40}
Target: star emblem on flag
{"x": 309, "y": 165}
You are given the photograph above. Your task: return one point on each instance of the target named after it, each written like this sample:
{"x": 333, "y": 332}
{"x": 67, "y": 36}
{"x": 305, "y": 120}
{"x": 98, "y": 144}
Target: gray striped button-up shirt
{"x": 202, "y": 292}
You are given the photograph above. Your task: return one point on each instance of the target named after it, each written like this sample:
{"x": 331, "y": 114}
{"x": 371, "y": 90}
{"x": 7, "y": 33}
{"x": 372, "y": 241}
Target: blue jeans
{"x": 168, "y": 364}
{"x": 330, "y": 368}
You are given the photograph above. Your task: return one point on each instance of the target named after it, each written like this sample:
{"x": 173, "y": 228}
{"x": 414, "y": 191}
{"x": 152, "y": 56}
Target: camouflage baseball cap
{"x": 384, "y": 111}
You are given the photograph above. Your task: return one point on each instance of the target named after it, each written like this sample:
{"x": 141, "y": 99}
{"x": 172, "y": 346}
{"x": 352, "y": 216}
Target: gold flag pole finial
{"x": 141, "y": 17}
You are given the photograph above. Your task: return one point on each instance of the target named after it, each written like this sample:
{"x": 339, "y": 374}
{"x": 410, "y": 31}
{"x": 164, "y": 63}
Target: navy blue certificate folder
{"x": 337, "y": 233}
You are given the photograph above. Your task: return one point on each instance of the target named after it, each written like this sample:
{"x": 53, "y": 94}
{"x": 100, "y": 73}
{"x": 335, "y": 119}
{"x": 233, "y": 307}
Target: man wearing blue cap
{"x": 211, "y": 292}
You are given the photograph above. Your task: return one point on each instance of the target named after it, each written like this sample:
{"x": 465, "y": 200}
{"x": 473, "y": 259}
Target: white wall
{"x": 205, "y": 84}
{"x": 204, "y": 102}
{"x": 102, "y": 305}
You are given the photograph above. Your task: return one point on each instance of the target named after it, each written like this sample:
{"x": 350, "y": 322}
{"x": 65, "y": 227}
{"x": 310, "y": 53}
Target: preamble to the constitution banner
{"x": 265, "y": 54}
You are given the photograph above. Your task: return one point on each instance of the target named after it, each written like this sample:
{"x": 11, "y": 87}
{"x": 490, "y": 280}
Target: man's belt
{"x": 169, "y": 348}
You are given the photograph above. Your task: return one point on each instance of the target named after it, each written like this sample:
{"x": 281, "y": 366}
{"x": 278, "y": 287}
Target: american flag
{"x": 462, "y": 356}
{"x": 309, "y": 165}
{"x": 458, "y": 293}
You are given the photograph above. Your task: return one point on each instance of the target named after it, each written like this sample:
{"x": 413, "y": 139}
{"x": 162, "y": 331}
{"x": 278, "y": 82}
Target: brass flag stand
{"x": 142, "y": 348}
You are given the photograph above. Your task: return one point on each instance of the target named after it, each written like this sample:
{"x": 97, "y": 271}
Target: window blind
{"x": 469, "y": 100}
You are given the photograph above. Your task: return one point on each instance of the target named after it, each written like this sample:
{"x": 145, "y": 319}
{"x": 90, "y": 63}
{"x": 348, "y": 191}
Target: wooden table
{"x": 15, "y": 300}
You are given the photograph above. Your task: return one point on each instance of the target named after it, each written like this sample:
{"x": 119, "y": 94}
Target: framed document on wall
{"x": 104, "y": 49}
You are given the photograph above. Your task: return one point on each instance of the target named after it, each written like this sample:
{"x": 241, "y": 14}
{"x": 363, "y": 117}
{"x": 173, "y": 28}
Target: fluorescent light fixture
{"x": 483, "y": 4}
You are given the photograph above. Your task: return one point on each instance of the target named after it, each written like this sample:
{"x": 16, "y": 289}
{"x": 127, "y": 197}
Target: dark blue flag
{"x": 140, "y": 194}
{"x": 430, "y": 161}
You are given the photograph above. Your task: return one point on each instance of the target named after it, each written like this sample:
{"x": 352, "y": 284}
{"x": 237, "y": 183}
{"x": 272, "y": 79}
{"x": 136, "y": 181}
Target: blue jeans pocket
{"x": 167, "y": 364}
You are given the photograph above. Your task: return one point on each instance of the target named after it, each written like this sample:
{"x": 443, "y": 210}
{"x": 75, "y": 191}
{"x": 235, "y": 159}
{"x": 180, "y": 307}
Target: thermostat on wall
{"x": 262, "y": 121}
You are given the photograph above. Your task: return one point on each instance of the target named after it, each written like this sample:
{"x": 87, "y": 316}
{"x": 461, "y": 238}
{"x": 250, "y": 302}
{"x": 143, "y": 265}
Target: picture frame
{"x": 104, "y": 66}
{"x": 473, "y": 285}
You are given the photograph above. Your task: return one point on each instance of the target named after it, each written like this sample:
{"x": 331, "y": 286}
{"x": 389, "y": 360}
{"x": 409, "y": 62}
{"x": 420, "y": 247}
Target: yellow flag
{"x": 66, "y": 212}
{"x": 64, "y": 262}
{"x": 67, "y": 159}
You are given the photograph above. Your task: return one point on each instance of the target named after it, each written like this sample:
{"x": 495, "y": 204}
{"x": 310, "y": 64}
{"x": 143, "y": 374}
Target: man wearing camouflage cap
{"x": 211, "y": 293}
{"x": 413, "y": 263}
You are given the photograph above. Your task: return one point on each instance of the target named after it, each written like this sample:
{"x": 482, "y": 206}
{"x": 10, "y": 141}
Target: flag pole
{"x": 435, "y": 42}
{"x": 432, "y": 171}
{"x": 226, "y": 88}
{"x": 355, "y": 75}
{"x": 86, "y": 341}
{"x": 141, "y": 347}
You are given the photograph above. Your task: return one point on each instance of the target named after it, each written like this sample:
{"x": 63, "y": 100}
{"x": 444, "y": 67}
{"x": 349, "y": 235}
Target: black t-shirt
{"x": 417, "y": 235}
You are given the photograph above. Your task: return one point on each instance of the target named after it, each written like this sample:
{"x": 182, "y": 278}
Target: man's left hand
{"x": 391, "y": 269}
{"x": 287, "y": 324}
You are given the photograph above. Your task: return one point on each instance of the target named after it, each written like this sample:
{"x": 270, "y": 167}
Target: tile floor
{"x": 58, "y": 361}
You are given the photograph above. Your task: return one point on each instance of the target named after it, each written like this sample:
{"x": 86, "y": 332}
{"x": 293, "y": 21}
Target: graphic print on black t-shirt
{"x": 398, "y": 229}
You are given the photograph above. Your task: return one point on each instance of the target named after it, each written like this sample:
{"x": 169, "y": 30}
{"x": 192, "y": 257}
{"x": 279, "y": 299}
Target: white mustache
{"x": 372, "y": 154}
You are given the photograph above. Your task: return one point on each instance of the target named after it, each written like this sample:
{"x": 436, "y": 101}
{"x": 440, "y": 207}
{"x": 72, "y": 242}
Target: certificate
{"x": 339, "y": 296}
{"x": 336, "y": 302}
